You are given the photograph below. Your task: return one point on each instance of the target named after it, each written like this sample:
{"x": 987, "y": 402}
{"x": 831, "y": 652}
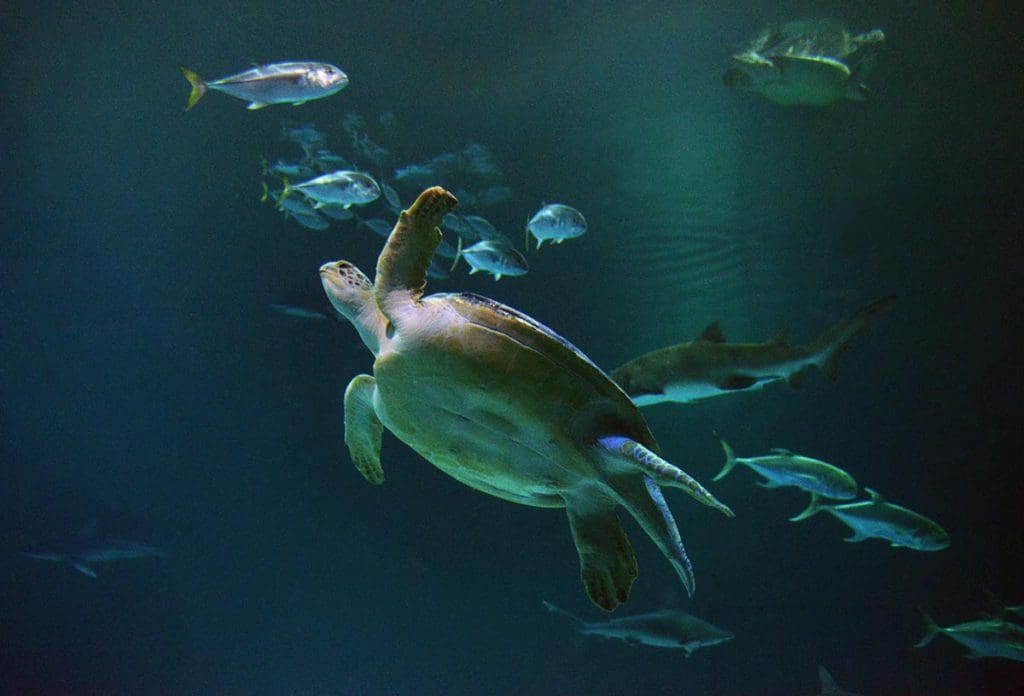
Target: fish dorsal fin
{"x": 712, "y": 334}
{"x": 876, "y": 497}
{"x": 781, "y": 452}
{"x": 781, "y": 338}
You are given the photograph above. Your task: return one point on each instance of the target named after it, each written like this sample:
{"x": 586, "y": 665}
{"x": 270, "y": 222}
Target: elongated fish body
{"x": 985, "y": 638}
{"x": 343, "y": 188}
{"x": 80, "y": 553}
{"x": 668, "y": 628}
{"x": 783, "y": 468}
{"x": 276, "y": 83}
{"x": 877, "y": 519}
{"x": 708, "y": 366}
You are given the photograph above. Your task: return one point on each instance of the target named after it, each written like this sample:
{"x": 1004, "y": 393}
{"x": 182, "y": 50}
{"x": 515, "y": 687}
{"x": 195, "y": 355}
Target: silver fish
{"x": 460, "y": 226}
{"x": 336, "y": 212}
{"x": 342, "y": 188}
{"x": 80, "y": 553}
{"x": 495, "y": 258}
{"x": 709, "y": 367}
{"x": 668, "y": 628}
{"x": 277, "y": 83}
{"x": 556, "y": 222}
{"x": 304, "y": 135}
{"x": 877, "y": 519}
{"x": 298, "y": 312}
{"x": 783, "y": 468}
{"x": 327, "y": 161}
{"x": 985, "y": 638}
{"x": 437, "y": 270}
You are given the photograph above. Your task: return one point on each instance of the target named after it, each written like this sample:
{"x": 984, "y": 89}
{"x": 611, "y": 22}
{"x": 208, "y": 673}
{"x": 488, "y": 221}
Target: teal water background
{"x": 145, "y": 382}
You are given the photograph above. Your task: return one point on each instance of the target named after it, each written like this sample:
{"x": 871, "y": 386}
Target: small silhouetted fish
{"x": 416, "y": 174}
{"x": 80, "y": 553}
{"x": 305, "y": 135}
{"x": 342, "y": 188}
{"x": 460, "y": 226}
{"x": 495, "y": 258}
{"x": 556, "y": 222}
{"x": 437, "y": 270}
{"x": 493, "y": 195}
{"x": 446, "y": 250}
{"x": 668, "y": 628}
{"x": 379, "y": 226}
{"x": 277, "y": 83}
{"x": 290, "y": 170}
{"x": 486, "y": 231}
{"x": 327, "y": 161}
{"x": 985, "y": 638}
{"x": 336, "y": 212}
{"x": 877, "y": 519}
{"x": 311, "y": 221}
{"x": 299, "y": 312}
{"x": 391, "y": 198}
{"x": 480, "y": 160}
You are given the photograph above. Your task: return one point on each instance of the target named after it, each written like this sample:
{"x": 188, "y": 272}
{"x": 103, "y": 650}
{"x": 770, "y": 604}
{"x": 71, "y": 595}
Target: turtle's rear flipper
{"x": 641, "y": 496}
{"x": 363, "y": 430}
{"x": 607, "y": 561}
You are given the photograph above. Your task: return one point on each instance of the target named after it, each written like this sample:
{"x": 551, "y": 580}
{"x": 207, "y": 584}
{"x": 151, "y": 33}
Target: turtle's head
{"x": 351, "y": 294}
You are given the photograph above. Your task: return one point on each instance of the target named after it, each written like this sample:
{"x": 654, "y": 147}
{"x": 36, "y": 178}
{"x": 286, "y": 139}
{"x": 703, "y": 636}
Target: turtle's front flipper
{"x": 363, "y": 430}
{"x": 607, "y": 562}
{"x": 402, "y": 265}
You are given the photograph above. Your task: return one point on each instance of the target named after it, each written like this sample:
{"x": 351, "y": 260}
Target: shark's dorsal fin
{"x": 781, "y": 338}
{"x": 712, "y": 334}
{"x": 876, "y": 497}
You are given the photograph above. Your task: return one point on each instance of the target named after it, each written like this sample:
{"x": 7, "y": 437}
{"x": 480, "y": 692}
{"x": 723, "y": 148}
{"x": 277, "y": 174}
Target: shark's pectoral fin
{"x": 736, "y": 382}
{"x": 81, "y": 566}
{"x": 607, "y": 561}
{"x": 363, "y": 430}
{"x": 769, "y": 484}
{"x": 857, "y": 537}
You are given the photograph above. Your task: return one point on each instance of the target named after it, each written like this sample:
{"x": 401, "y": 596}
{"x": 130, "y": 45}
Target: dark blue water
{"x": 146, "y": 384}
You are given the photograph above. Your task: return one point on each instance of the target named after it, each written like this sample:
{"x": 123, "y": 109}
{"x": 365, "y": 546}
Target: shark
{"x": 81, "y": 553}
{"x": 829, "y": 686}
{"x": 668, "y": 628}
{"x": 709, "y": 366}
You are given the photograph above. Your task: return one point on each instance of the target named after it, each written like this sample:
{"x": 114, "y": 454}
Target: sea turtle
{"x": 814, "y": 62}
{"x": 504, "y": 405}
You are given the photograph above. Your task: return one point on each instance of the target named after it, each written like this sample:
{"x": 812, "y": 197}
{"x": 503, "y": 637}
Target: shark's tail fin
{"x": 730, "y": 459}
{"x": 831, "y": 344}
{"x": 812, "y": 508}
{"x": 577, "y": 621}
{"x": 932, "y": 630}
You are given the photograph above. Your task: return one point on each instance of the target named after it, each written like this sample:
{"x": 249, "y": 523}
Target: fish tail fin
{"x": 455, "y": 261}
{"x": 730, "y": 459}
{"x": 831, "y": 344}
{"x": 285, "y": 192}
{"x": 199, "y": 86}
{"x": 266, "y": 192}
{"x": 577, "y": 621}
{"x": 932, "y": 629}
{"x": 812, "y": 508}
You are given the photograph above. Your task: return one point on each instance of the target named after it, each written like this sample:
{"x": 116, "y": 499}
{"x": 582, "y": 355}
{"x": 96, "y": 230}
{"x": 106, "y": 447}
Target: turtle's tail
{"x": 199, "y": 86}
